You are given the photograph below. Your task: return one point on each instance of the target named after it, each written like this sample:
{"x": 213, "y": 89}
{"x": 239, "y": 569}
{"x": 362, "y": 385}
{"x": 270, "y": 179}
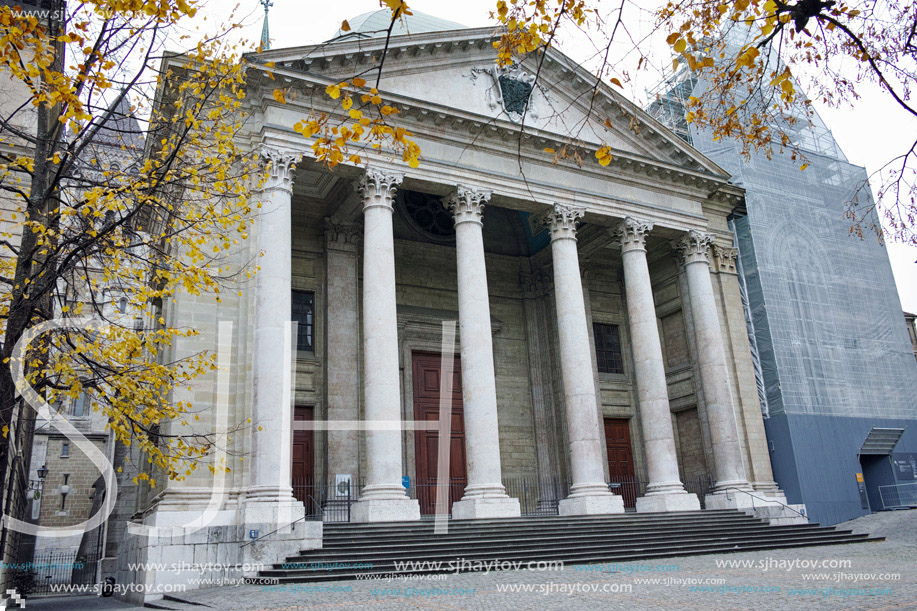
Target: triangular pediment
{"x": 456, "y": 70}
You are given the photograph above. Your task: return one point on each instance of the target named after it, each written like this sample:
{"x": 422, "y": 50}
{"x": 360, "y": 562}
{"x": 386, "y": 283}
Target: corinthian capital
{"x": 724, "y": 258}
{"x": 561, "y": 220}
{"x": 279, "y": 165}
{"x": 692, "y": 246}
{"x": 632, "y": 234}
{"x": 378, "y": 187}
{"x": 467, "y": 204}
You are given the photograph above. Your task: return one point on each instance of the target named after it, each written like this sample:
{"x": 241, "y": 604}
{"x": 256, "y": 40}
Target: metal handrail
{"x": 302, "y": 519}
{"x": 769, "y": 500}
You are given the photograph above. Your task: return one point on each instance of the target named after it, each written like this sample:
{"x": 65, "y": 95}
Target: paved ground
{"x": 877, "y": 576}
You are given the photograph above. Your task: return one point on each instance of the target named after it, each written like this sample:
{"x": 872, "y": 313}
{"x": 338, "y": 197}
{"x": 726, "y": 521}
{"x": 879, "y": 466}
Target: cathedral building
{"x": 576, "y": 332}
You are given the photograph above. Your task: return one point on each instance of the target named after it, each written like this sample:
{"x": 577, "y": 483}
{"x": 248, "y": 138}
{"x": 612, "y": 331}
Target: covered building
{"x": 833, "y": 360}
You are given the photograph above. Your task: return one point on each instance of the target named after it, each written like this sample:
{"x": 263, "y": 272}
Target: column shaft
{"x": 664, "y": 492}
{"x": 589, "y": 493}
{"x": 269, "y": 473}
{"x": 383, "y": 497}
{"x": 484, "y": 495}
{"x": 711, "y": 355}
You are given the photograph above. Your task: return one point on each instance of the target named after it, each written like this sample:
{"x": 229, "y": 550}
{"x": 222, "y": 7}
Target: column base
{"x": 279, "y": 512}
{"x": 485, "y": 508}
{"x": 769, "y": 488}
{"x": 385, "y": 510}
{"x": 668, "y": 501}
{"x": 590, "y": 499}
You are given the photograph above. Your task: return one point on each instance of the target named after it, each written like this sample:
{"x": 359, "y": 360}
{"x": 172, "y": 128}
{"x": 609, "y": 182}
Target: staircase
{"x": 373, "y": 549}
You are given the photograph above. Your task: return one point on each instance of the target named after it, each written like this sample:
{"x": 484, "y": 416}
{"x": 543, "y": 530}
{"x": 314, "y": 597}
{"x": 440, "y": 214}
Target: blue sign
{"x": 253, "y": 534}
{"x": 406, "y": 481}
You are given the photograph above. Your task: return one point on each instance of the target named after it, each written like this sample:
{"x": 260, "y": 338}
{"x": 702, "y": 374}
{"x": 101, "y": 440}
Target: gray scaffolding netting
{"x": 825, "y": 321}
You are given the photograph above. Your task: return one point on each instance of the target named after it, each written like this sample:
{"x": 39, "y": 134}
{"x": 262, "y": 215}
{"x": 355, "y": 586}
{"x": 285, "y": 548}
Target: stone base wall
{"x": 149, "y": 567}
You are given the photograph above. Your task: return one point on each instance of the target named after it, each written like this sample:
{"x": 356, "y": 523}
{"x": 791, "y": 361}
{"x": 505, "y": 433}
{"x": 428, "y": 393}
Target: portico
{"x": 379, "y": 236}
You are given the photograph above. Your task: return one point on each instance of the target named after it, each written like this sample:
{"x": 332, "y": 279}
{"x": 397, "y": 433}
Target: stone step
{"x": 428, "y": 522}
{"x": 577, "y": 540}
{"x": 407, "y": 545}
{"x": 589, "y": 556}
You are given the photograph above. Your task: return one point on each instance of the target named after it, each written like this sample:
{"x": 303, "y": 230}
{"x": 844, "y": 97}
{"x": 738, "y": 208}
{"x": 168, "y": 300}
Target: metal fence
{"x": 50, "y": 572}
{"x": 536, "y": 497}
{"x": 332, "y": 501}
{"x": 899, "y": 496}
{"x": 325, "y": 501}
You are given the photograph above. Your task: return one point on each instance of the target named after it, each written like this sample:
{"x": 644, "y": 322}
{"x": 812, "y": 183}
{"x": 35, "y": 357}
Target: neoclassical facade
{"x": 601, "y": 357}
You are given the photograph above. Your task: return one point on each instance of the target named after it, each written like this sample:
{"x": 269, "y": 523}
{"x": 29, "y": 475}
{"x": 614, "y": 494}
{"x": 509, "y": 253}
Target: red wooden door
{"x": 303, "y": 455}
{"x": 426, "y": 370}
{"x": 621, "y": 459}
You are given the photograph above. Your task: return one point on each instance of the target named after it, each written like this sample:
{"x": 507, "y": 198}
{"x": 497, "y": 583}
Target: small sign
{"x": 406, "y": 482}
{"x": 342, "y": 484}
{"x": 253, "y": 534}
{"x": 861, "y": 487}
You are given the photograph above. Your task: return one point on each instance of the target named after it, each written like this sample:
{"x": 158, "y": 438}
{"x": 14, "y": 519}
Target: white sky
{"x": 870, "y": 133}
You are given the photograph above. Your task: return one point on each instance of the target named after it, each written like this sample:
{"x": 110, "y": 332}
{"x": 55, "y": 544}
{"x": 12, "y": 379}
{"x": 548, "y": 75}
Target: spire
{"x": 265, "y": 36}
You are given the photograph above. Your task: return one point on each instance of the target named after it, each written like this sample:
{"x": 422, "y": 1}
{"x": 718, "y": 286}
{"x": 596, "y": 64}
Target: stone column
{"x": 342, "y": 346}
{"x": 727, "y": 284}
{"x": 589, "y": 492}
{"x": 484, "y": 495}
{"x": 383, "y": 498}
{"x": 270, "y": 489}
{"x": 664, "y": 492}
{"x": 711, "y": 356}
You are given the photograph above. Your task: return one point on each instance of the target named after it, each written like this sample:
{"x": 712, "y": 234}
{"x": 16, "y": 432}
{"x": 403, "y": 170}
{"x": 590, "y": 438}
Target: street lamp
{"x": 43, "y": 473}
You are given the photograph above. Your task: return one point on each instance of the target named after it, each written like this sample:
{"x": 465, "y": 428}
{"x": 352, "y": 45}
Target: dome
{"x": 375, "y": 24}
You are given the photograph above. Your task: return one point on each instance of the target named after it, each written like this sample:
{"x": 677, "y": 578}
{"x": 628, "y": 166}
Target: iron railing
{"x": 899, "y": 496}
{"x": 325, "y": 501}
{"x": 332, "y": 501}
{"x": 50, "y": 572}
{"x": 536, "y": 497}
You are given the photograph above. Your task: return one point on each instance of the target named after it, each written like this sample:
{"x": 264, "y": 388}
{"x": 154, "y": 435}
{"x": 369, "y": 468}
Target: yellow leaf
{"x": 615, "y": 81}
{"x": 358, "y": 82}
{"x": 672, "y": 38}
{"x": 278, "y": 95}
{"x": 347, "y": 103}
{"x": 345, "y": 27}
{"x": 803, "y": 167}
{"x": 681, "y": 45}
{"x": 334, "y": 91}
{"x": 549, "y": 150}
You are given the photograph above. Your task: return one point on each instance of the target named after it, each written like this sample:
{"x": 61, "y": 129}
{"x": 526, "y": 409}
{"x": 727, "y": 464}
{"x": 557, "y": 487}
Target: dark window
{"x": 303, "y": 315}
{"x": 608, "y": 348}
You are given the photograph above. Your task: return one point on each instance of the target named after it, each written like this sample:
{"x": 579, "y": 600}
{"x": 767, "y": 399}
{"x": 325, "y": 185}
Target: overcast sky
{"x": 869, "y": 133}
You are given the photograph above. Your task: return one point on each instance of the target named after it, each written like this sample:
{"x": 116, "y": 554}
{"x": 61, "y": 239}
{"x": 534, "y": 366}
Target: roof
{"x": 375, "y": 24}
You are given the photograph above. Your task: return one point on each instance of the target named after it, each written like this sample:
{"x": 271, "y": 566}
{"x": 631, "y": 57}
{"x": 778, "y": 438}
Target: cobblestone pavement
{"x": 878, "y": 576}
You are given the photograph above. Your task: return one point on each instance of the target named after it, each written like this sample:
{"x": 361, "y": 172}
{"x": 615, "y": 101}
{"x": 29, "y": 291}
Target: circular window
{"x": 427, "y": 214}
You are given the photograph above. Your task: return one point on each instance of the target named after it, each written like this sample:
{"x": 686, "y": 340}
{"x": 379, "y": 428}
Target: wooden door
{"x": 426, "y": 371}
{"x": 303, "y": 456}
{"x": 621, "y": 459}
